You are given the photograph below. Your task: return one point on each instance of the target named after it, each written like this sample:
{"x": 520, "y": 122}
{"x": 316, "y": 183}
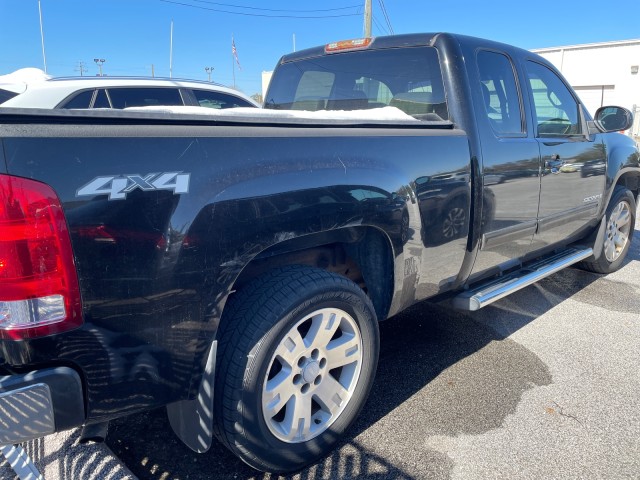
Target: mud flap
{"x": 192, "y": 420}
{"x": 598, "y": 239}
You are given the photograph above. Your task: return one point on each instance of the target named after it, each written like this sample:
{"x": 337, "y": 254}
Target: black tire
{"x": 620, "y": 221}
{"x": 251, "y": 348}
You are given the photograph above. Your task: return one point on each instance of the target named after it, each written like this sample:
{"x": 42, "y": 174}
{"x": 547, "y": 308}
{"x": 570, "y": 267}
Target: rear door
{"x": 510, "y": 161}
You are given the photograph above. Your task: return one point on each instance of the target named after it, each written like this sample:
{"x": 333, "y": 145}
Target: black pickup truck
{"x": 234, "y": 268}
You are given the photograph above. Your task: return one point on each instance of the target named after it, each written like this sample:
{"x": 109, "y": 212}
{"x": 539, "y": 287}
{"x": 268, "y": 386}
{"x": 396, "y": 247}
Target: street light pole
{"x": 171, "y": 51}
{"x": 44, "y": 57}
{"x": 209, "y": 70}
{"x": 99, "y": 62}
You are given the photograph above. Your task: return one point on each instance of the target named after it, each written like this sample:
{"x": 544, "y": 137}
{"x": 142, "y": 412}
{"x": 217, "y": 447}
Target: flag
{"x": 235, "y": 52}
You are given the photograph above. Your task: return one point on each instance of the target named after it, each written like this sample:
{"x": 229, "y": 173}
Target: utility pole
{"x": 153, "y": 74}
{"x": 82, "y": 68}
{"x": 99, "y": 62}
{"x": 367, "y": 18}
{"x": 209, "y": 70}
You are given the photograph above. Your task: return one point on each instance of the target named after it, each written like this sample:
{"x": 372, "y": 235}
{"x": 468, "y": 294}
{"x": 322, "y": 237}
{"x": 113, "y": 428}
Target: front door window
{"x": 555, "y": 108}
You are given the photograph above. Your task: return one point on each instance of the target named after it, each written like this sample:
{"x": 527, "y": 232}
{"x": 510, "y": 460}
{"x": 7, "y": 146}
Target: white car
{"x": 123, "y": 92}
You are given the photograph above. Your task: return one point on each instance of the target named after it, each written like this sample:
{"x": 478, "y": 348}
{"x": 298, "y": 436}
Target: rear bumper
{"x": 38, "y": 403}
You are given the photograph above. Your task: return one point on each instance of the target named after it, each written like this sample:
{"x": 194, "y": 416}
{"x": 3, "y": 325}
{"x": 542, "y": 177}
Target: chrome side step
{"x": 488, "y": 293}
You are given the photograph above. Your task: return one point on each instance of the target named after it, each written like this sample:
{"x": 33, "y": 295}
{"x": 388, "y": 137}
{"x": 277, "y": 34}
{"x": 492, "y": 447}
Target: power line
{"x": 386, "y": 15}
{"x": 276, "y": 10}
{"x": 259, "y": 14}
{"x": 382, "y": 28}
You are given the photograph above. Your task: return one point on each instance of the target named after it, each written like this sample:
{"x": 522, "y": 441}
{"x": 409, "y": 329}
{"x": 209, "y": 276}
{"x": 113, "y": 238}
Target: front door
{"x": 572, "y": 162}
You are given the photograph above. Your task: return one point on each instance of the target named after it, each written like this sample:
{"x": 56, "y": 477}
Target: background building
{"x": 266, "y": 78}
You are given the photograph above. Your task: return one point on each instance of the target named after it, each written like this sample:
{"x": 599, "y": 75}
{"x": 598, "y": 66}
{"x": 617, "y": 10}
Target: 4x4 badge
{"x": 117, "y": 187}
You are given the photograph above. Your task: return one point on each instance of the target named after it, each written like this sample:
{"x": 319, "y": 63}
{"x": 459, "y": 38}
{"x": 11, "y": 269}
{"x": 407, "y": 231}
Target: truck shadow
{"x": 441, "y": 374}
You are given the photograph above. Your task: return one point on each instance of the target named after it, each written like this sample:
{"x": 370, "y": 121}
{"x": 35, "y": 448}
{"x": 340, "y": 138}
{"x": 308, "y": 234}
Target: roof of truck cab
{"x": 409, "y": 40}
{"x": 389, "y": 41}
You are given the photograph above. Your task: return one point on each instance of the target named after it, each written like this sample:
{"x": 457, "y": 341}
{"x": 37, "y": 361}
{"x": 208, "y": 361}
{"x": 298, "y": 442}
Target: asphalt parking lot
{"x": 542, "y": 384}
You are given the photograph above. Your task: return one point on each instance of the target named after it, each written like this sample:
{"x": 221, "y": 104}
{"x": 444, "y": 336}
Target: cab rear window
{"x": 409, "y": 79}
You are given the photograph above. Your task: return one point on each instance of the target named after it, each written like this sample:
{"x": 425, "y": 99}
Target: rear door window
{"x": 500, "y": 93}
{"x": 123, "y": 97}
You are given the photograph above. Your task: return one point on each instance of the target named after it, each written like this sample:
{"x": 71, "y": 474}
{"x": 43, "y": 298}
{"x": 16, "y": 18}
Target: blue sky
{"x": 133, "y": 35}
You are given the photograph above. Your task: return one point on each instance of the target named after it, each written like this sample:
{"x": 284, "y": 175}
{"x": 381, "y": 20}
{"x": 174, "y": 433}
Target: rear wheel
{"x": 620, "y": 224}
{"x": 298, "y": 353}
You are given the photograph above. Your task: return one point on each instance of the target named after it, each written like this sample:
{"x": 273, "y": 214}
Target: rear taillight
{"x": 39, "y": 292}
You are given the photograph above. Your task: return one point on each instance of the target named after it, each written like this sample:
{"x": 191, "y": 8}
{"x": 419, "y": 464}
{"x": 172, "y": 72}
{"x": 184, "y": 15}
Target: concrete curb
{"x": 61, "y": 457}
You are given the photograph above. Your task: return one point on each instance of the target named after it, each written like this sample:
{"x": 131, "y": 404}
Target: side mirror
{"x": 613, "y": 119}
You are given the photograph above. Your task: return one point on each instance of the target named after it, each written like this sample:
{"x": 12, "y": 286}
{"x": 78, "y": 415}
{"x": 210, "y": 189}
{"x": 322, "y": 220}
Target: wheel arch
{"x": 623, "y": 165}
{"x": 629, "y": 180}
{"x": 364, "y": 254}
